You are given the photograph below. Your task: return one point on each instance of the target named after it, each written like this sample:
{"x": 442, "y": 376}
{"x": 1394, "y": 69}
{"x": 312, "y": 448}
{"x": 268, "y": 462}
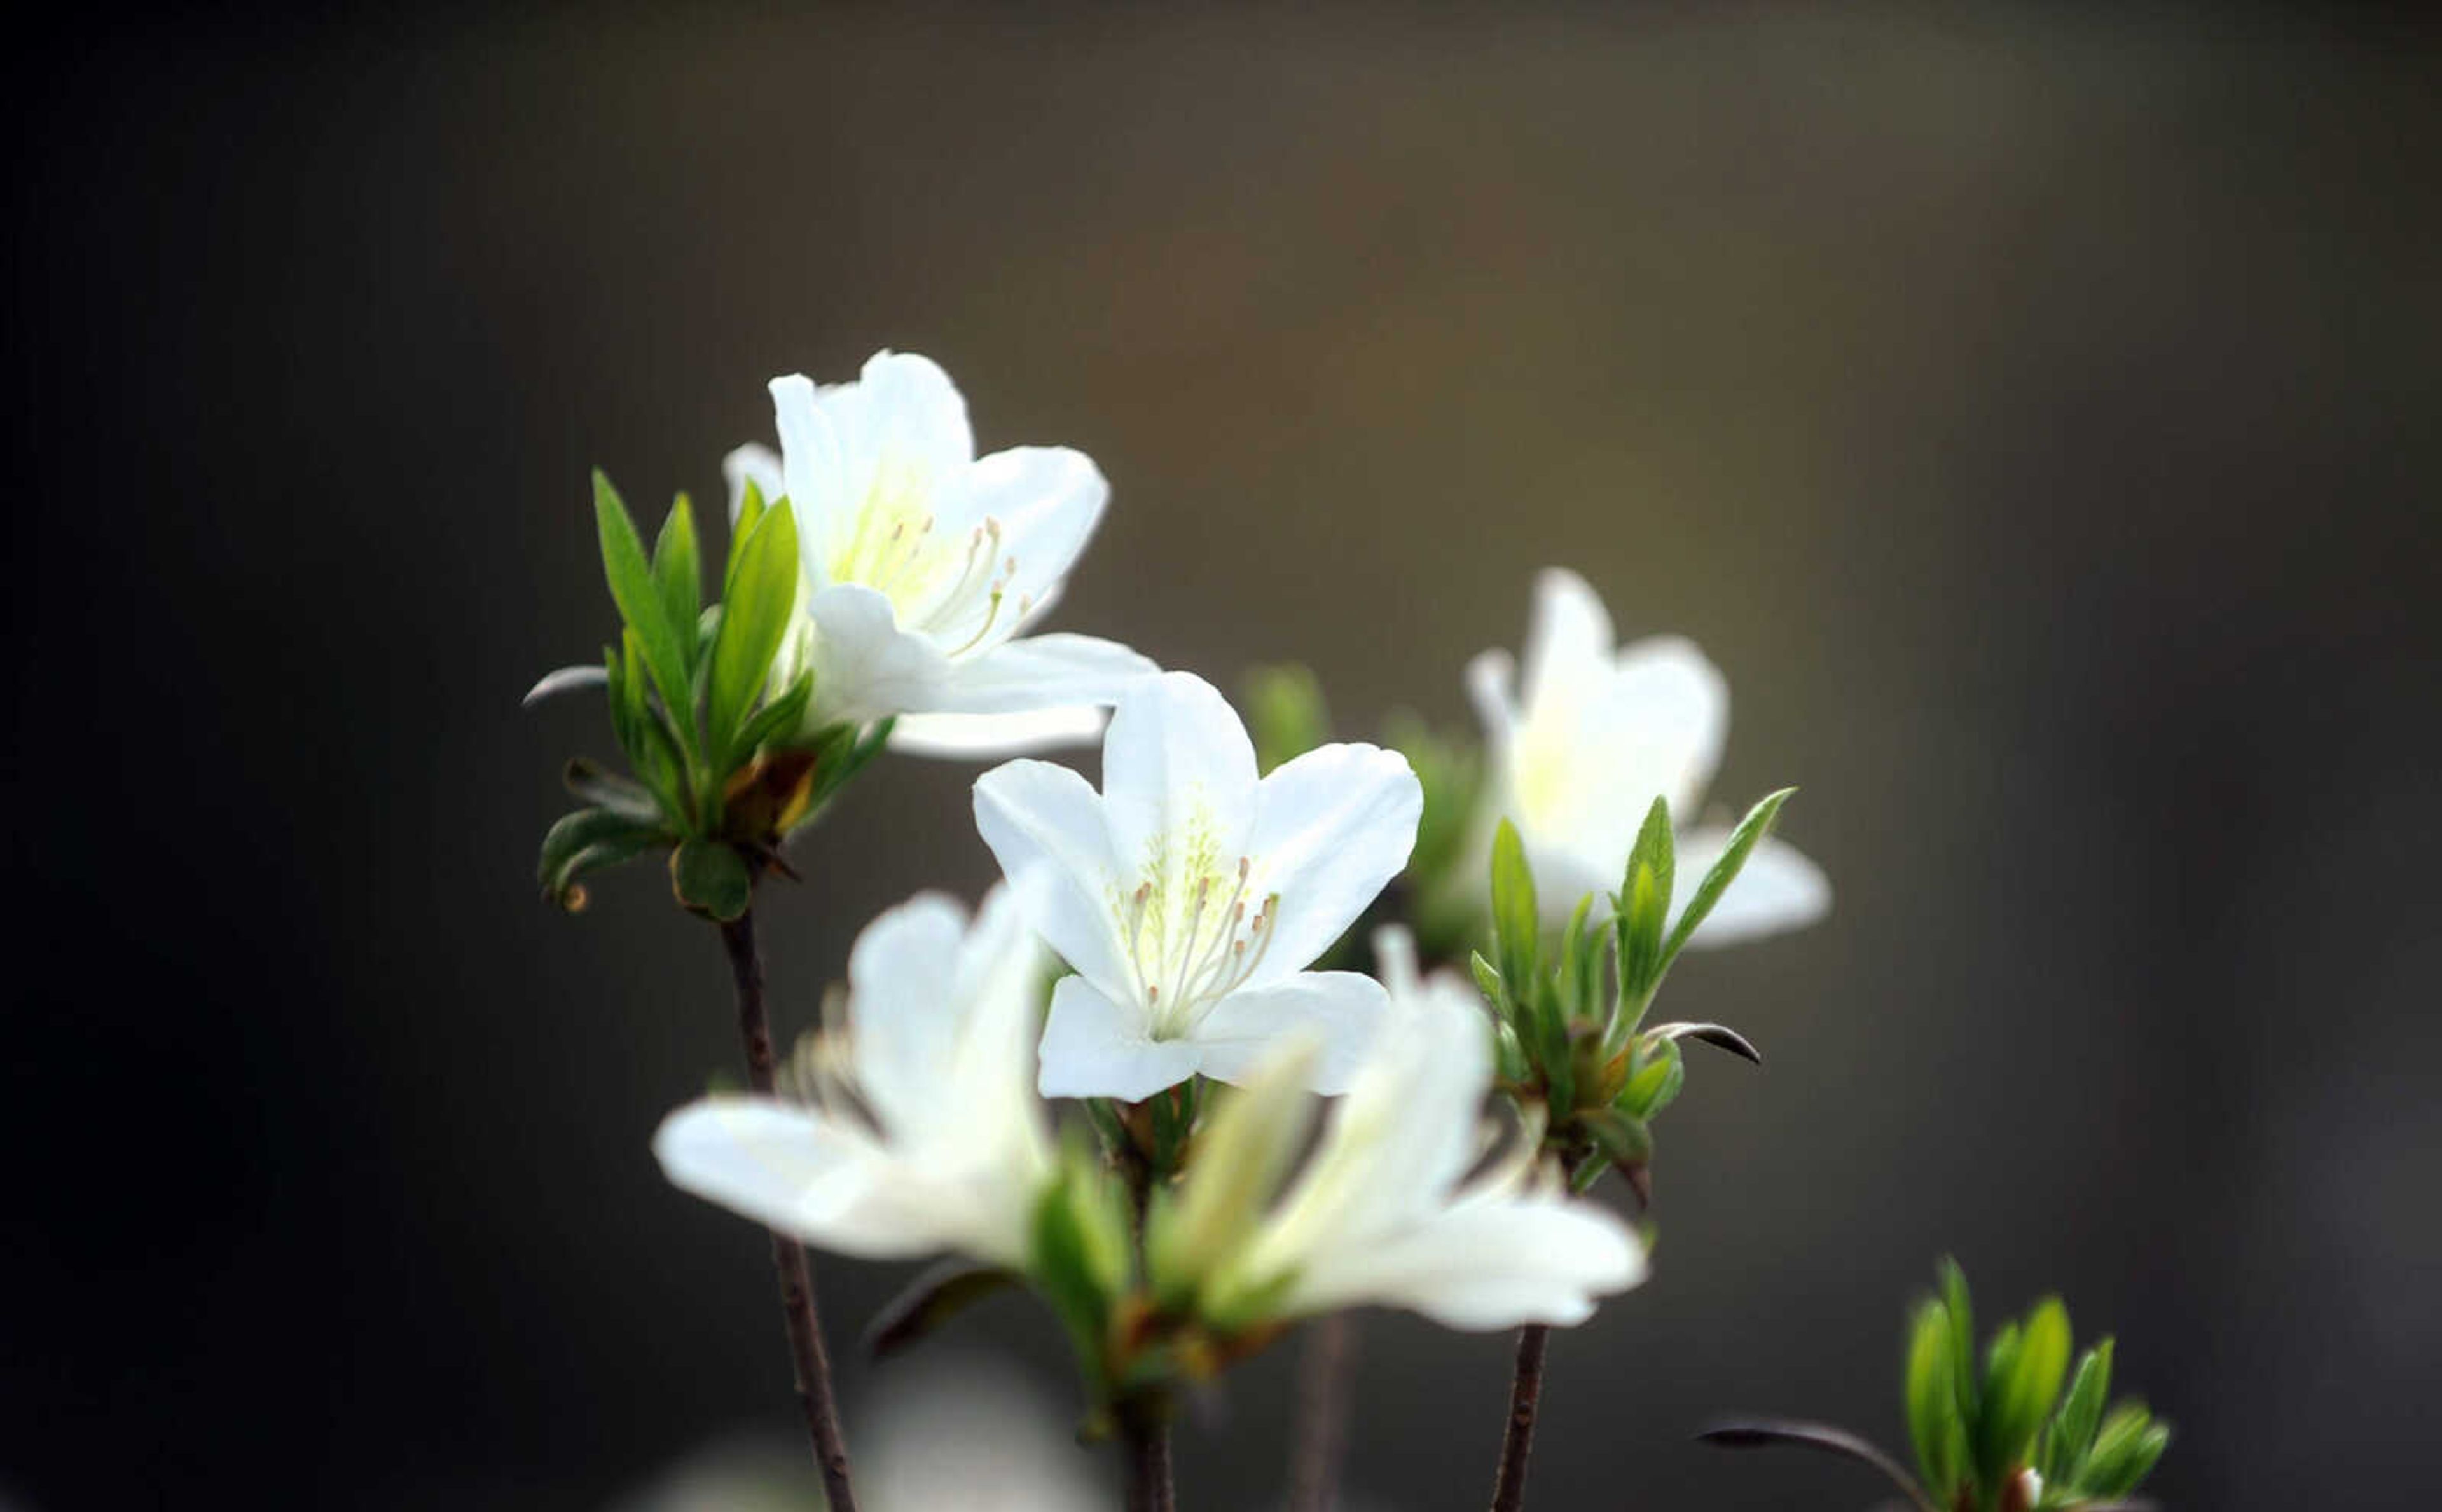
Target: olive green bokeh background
{"x": 2032, "y": 412}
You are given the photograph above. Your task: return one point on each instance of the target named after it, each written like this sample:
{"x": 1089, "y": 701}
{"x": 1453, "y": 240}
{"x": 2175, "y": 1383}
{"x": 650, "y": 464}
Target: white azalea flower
{"x": 1383, "y": 1212}
{"x": 927, "y": 1136}
{"x": 1188, "y": 895}
{"x": 923, "y": 562}
{"x": 1600, "y": 733}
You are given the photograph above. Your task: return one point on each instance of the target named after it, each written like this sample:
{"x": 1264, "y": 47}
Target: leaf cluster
{"x": 721, "y": 768}
{"x": 1569, "y": 1032}
{"x": 1978, "y": 1431}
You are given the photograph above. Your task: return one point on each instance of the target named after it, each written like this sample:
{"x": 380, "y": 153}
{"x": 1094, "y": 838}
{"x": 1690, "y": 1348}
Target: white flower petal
{"x": 1332, "y": 827}
{"x": 1048, "y": 499}
{"x": 866, "y": 667}
{"x": 1569, "y": 644}
{"x": 966, "y": 737}
{"x": 1491, "y": 685}
{"x": 564, "y": 679}
{"x": 757, "y": 464}
{"x": 1663, "y": 719}
{"x": 903, "y": 983}
{"x": 1343, "y": 1010}
{"x": 1176, "y": 764}
{"x": 815, "y": 469}
{"x": 919, "y": 415}
{"x": 800, "y": 1173}
{"x": 1776, "y": 891}
{"x": 1093, "y": 1046}
{"x": 1041, "y": 671}
{"x": 1486, "y": 1265}
{"x": 1044, "y": 825}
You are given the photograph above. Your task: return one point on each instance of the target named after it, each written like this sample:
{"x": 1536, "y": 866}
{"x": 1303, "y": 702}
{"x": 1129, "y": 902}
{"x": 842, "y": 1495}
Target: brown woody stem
{"x": 788, "y": 1261}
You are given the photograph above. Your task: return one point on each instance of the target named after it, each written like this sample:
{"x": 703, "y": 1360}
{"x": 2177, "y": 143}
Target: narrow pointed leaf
{"x": 639, "y": 596}
{"x": 939, "y": 1293}
{"x": 1645, "y": 907}
{"x": 678, "y": 573}
{"x": 1720, "y": 1036}
{"x": 762, "y": 598}
{"x": 585, "y": 841}
{"x": 1514, "y": 919}
{"x": 1744, "y": 840}
{"x": 1932, "y": 1402}
{"x": 607, "y": 789}
{"x": 1821, "y": 1437}
{"x": 750, "y": 506}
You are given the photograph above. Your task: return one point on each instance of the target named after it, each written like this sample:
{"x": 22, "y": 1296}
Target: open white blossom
{"x": 922, "y": 1132}
{"x": 924, "y": 562}
{"x": 1188, "y": 895}
{"x": 1598, "y": 731}
{"x": 1383, "y": 1211}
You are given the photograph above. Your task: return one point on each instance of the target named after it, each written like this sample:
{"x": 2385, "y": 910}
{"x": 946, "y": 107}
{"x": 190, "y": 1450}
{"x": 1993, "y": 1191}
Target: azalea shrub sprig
{"x": 721, "y": 772}
{"x": 1571, "y": 1042}
{"x": 2004, "y": 1437}
{"x": 1141, "y": 1081}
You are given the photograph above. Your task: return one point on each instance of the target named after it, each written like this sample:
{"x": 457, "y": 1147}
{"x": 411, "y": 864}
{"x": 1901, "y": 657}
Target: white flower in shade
{"x": 924, "y": 562}
{"x": 1383, "y": 1212}
{"x": 1579, "y": 754}
{"x": 1188, "y": 895}
{"x": 922, "y": 1132}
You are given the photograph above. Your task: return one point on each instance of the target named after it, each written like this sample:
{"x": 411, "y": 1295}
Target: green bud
{"x": 1240, "y": 1156}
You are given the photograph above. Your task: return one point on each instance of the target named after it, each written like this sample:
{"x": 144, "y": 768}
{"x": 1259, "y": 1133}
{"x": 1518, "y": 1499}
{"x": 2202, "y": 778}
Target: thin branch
{"x": 1321, "y": 1428}
{"x": 1144, "y": 1427}
{"x": 789, "y": 1262}
{"x": 1144, "y": 1418}
{"x": 1517, "y": 1441}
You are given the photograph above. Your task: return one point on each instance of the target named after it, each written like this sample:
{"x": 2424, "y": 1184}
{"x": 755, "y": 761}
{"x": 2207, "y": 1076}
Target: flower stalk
{"x": 1517, "y": 1437}
{"x": 798, "y": 1309}
{"x": 1323, "y": 1379}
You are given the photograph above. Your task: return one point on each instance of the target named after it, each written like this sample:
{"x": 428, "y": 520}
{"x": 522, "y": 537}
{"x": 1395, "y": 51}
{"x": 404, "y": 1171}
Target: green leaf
{"x": 1644, "y": 908}
{"x": 585, "y": 841}
{"x": 1962, "y": 1336}
{"x": 2124, "y": 1452}
{"x": 1579, "y": 984}
{"x": 2070, "y": 1434}
{"x": 763, "y": 599}
{"x": 678, "y": 573}
{"x": 1744, "y": 840}
{"x": 943, "y": 1290}
{"x": 1515, "y": 922}
{"x": 2022, "y": 1383}
{"x": 1551, "y": 1047}
{"x": 609, "y": 790}
{"x": 854, "y": 752}
{"x": 711, "y": 879}
{"x": 776, "y": 719}
{"x": 1623, "y": 1141}
{"x": 639, "y": 598}
{"x": 1488, "y": 981}
{"x": 1933, "y": 1427}
{"x": 1654, "y": 1083}
{"x": 749, "y": 510}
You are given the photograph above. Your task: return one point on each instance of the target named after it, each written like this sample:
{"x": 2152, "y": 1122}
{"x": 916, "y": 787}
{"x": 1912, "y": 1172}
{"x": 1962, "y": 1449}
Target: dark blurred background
{"x": 2032, "y": 409}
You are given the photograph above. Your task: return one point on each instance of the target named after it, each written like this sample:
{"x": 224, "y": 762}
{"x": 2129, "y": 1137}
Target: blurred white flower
{"x": 948, "y": 1431}
{"x": 1598, "y": 734}
{"x": 1188, "y": 895}
{"x": 923, "y": 1133}
{"x": 923, "y": 562}
{"x": 1383, "y": 1211}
